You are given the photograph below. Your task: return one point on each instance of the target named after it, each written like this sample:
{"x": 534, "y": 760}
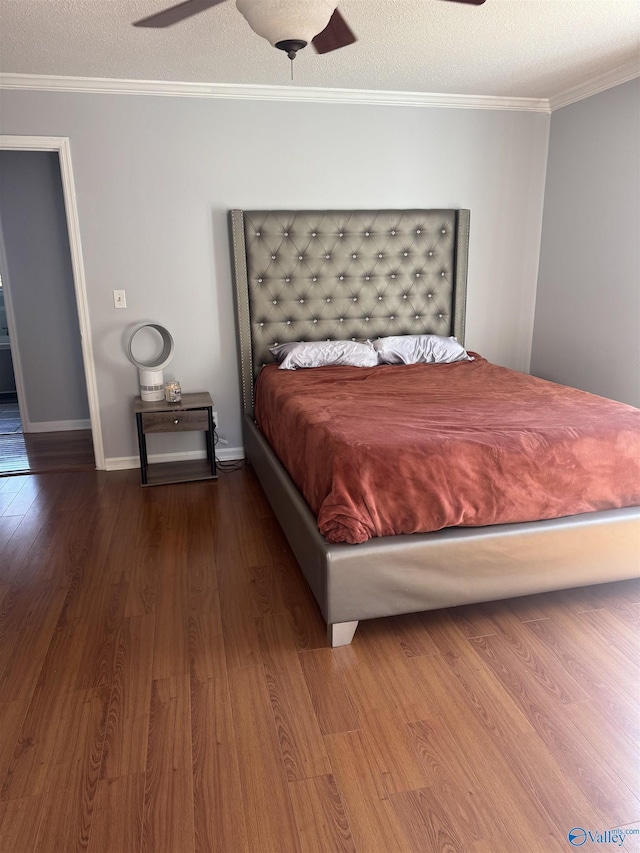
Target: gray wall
{"x": 36, "y": 244}
{"x": 7, "y": 379}
{"x": 587, "y": 319}
{"x": 155, "y": 177}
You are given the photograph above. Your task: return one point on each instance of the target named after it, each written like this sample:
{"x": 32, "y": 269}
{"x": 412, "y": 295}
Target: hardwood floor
{"x": 165, "y": 686}
{"x": 46, "y": 451}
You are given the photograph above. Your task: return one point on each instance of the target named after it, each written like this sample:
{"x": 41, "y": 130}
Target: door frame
{"x": 60, "y": 144}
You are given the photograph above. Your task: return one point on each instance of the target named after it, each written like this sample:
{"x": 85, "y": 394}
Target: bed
{"x": 353, "y": 275}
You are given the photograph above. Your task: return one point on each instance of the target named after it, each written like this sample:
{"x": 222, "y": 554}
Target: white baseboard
{"x": 122, "y": 463}
{"x": 55, "y": 426}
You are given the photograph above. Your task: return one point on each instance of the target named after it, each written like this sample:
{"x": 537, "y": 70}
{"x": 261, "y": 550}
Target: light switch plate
{"x": 119, "y": 299}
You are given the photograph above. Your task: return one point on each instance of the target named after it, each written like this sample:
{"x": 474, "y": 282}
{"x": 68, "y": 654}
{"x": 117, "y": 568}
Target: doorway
{"x": 10, "y": 420}
{"x": 47, "y": 328}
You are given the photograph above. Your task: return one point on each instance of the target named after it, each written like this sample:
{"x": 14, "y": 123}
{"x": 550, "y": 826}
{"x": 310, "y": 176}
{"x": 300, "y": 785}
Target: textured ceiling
{"x": 509, "y": 48}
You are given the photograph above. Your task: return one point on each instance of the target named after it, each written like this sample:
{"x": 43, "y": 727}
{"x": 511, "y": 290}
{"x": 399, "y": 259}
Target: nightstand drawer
{"x": 175, "y": 421}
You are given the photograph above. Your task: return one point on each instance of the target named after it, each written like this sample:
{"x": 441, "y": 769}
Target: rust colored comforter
{"x": 415, "y": 448}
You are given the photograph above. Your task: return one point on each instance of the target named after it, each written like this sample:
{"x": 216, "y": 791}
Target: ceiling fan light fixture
{"x": 287, "y": 24}
{"x": 291, "y": 46}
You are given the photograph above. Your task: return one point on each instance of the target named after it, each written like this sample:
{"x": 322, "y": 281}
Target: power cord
{"x": 226, "y": 467}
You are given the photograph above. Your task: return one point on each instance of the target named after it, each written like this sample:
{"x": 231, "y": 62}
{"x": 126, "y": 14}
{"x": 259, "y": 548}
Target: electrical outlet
{"x": 220, "y": 439}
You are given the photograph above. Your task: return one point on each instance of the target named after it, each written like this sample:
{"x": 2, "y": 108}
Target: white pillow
{"x": 420, "y": 349}
{"x": 279, "y": 351}
{"x": 324, "y": 354}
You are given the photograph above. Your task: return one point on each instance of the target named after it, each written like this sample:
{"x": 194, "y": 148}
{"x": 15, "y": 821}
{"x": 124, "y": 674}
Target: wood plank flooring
{"x": 37, "y": 452}
{"x": 165, "y": 686}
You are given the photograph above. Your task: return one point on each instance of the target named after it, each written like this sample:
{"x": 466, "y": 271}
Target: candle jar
{"x": 173, "y": 391}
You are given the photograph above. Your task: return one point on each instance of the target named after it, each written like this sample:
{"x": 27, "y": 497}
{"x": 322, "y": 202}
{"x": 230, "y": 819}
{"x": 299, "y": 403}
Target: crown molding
{"x": 622, "y": 74}
{"x": 96, "y": 85}
{"x": 105, "y": 85}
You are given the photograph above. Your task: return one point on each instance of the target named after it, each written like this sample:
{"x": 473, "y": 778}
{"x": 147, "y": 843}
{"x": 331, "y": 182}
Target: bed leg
{"x": 341, "y": 633}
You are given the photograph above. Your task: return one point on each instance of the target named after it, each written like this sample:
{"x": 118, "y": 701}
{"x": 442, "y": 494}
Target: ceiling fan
{"x": 287, "y": 24}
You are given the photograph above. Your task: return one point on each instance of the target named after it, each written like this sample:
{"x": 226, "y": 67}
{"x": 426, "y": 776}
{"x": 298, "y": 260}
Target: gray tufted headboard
{"x": 344, "y": 274}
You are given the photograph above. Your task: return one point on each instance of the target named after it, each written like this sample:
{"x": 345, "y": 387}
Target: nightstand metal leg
{"x": 142, "y": 447}
{"x": 211, "y": 452}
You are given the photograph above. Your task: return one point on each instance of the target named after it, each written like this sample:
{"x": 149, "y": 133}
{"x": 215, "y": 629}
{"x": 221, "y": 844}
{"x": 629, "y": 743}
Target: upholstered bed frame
{"x": 317, "y": 275}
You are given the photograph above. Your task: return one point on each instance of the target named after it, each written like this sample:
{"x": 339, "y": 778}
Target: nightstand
{"x": 193, "y": 413}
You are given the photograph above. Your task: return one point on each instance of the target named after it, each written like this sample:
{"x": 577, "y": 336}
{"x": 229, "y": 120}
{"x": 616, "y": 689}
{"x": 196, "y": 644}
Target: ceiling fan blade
{"x": 336, "y": 34}
{"x": 175, "y": 14}
{"x": 472, "y": 2}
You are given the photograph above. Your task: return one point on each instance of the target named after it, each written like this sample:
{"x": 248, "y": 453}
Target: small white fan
{"x": 151, "y": 356}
